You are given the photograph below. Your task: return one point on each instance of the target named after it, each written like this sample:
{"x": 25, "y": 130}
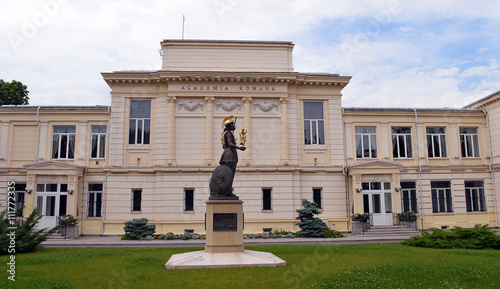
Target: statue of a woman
{"x": 222, "y": 178}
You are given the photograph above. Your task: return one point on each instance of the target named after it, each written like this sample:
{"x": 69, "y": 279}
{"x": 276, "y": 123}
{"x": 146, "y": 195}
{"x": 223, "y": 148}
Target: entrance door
{"x": 51, "y": 203}
{"x": 377, "y": 201}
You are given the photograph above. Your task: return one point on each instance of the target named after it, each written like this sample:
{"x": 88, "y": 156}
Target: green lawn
{"x": 326, "y": 266}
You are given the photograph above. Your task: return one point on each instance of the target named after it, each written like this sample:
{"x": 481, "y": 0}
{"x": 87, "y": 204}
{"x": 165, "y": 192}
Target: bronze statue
{"x": 221, "y": 182}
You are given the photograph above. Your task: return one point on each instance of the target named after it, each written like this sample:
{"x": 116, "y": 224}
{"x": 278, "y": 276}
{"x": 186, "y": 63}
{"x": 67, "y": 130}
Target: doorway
{"x": 377, "y": 201}
{"x": 51, "y": 201}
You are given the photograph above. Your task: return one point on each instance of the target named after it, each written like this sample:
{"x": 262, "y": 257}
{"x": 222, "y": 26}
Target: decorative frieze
{"x": 265, "y": 106}
{"x": 227, "y": 105}
{"x": 191, "y": 105}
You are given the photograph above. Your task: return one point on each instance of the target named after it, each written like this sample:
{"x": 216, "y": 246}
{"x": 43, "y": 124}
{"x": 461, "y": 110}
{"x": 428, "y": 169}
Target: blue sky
{"x": 400, "y": 53}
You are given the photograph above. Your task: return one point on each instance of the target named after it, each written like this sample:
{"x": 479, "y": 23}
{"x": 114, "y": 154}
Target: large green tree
{"x": 14, "y": 92}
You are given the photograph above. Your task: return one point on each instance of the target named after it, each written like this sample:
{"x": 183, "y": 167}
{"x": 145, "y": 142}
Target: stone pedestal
{"x": 224, "y": 226}
{"x": 224, "y": 245}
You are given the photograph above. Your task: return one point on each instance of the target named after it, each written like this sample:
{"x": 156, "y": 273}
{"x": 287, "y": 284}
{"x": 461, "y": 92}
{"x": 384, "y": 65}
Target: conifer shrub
{"x": 457, "y": 238}
{"x": 310, "y": 226}
{"x": 27, "y": 238}
{"x": 138, "y": 229}
{"x": 331, "y": 233}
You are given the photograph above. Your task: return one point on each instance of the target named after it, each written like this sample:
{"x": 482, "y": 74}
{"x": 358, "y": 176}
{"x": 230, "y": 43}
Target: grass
{"x": 309, "y": 266}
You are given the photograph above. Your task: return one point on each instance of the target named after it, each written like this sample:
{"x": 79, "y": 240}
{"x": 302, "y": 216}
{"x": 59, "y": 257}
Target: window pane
{"x": 136, "y": 202}
{"x": 40, "y": 187}
{"x": 147, "y": 124}
{"x": 91, "y": 204}
{"x": 50, "y": 208}
{"x": 373, "y": 143}
{"x": 388, "y": 202}
{"x": 409, "y": 150}
{"x": 430, "y": 150}
{"x": 64, "y": 146}
{"x": 102, "y": 146}
{"x": 62, "y": 205}
{"x": 39, "y": 205}
{"x": 313, "y": 110}
{"x": 98, "y": 129}
{"x": 402, "y": 150}
{"x": 266, "y": 199}
{"x": 376, "y": 203}
{"x": 64, "y": 129}
{"x": 64, "y": 188}
{"x": 405, "y": 200}
{"x": 414, "y": 206}
{"x": 366, "y": 204}
{"x": 475, "y": 141}
{"x": 307, "y": 132}
{"x": 449, "y": 201}
{"x": 51, "y": 188}
{"x": 321, "y": 132}
{"x": 366, "y": 147}
{"x": 359, "y": 147}
{"x": 376, "y": 186}
{"x": 443, "y": 146}
{"x": 395, "y": 146}
{"x": 131, "y": 132}
{"x": 71, "y": 151}
{"x": 139, "y": 131}
{"x": 314, "y": 133}
{"x": 317, "y": 197}
{"x": 189, "y": 200}
{"x": 434, "y": 201}
{"x": 55, "y": 146}
{"x": 95, "y": 187}
{"x": 140, "y": 108}
{"x": 93, "y": 152}
{"x": 98, "y": 201}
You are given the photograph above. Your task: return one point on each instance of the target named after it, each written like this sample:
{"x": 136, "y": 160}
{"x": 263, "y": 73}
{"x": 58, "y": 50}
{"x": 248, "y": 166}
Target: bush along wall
{"x": 138, "y": 229}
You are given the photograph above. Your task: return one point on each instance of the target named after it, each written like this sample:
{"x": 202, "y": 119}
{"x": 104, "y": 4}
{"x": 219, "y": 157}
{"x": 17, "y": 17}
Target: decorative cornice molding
{"x": 191, "y": 105}
{"x": 265, "y": 107}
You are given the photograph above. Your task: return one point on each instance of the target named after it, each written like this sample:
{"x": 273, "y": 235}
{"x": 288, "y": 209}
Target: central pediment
{"x": 375, "y": 166}
{"x": 51, "y": 167}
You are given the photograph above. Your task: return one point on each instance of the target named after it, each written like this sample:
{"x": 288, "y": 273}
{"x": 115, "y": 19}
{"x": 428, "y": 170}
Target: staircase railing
{"x": 413, "y": 225}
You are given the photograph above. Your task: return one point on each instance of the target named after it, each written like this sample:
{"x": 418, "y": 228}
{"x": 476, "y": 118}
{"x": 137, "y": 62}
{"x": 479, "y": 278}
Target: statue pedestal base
{"x": 224, "y": 245}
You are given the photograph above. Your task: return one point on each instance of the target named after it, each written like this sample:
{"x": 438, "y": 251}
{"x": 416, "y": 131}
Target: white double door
{"x": 51, "y": 204}
{"x": 377, "y": 201}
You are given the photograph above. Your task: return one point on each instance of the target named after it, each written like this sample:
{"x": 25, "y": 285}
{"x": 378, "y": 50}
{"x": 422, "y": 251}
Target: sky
{"x": 400, "y": 53}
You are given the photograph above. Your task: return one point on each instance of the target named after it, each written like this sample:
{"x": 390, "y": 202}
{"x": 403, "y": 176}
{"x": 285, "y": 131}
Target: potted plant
{"x": 69, "y": 227}
{"x": 408, "y": 219}
{"x": 359, "y": 223}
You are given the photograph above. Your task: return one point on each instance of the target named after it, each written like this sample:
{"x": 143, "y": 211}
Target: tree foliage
{"x": 310, "y": 227}
{"x": 14, "y": 93}
{"x": 27, "y": 238}
{"x": 138, "y": 229}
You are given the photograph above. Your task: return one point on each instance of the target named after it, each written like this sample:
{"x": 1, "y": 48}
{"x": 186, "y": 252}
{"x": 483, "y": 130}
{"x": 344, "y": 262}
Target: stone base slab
{"x": 203, "y": 259}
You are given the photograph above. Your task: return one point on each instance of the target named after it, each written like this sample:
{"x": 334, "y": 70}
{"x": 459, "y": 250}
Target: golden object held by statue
{"x": 243, "y": 137}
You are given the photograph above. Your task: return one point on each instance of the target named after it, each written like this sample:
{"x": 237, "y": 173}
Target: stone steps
{"x": 54, "y": 236}
{"x": 391, "y": 231}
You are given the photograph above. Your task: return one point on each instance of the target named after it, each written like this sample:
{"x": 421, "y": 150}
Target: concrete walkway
{"x": 115, "y": 241}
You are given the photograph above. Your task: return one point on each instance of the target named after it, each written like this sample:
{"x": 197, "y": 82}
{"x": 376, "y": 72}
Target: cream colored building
{"x": 151, "y": 153}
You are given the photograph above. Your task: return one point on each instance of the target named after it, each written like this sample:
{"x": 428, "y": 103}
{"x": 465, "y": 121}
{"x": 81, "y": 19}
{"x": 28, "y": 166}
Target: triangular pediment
{"x": 54, "y": 167}
{"x": 375, "y": 166}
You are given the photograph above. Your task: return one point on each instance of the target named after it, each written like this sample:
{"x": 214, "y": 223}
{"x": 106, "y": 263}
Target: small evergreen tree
{"x": 138, "y": 229}
{"x": 27, "y": 238}
{"x": 310, "y": 227}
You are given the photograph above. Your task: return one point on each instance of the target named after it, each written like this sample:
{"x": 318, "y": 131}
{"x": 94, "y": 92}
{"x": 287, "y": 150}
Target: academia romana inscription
{"x": 228, "y": 88}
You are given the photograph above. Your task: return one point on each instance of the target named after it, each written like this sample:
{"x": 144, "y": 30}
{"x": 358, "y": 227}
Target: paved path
{"x": 115, "y": 241}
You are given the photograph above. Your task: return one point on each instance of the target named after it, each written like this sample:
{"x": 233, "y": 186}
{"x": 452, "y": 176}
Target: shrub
{"x": 332, "y": 234}
{"x": 27, "y": 238}
{"x": 360, "y": 217}
{"x": 310, "y": 227}
{"x": 169, "y": 236}
{"x": 407, "y": 216}
{"x": 68, "y": 221}
{"x": 457, "y": 238}
{"x": 138, "y": 229}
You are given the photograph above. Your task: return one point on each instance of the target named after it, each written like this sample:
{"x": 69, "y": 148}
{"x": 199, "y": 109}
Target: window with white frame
{"x": 366, "y": 142}
{"x": 314, "y": 124}
{"x": 436, "y": 142}
{"x": 20, "y": 190}
{"x": 140, "y": 121}
{"x": 474, "y": 196}
{"x": 317, "y": 197}
{"x": 98, "y": 145}
{"x": 442, "y": 201}
{"x": 188, "y": 199}
{"x": 469, "y": 142}
{"x": 63, "y": 142}
{"x": 94, "y": 200}
{"x": 267, "y": 199}
{"x": 401, "y": 142}
{"x": 409, "y": 197}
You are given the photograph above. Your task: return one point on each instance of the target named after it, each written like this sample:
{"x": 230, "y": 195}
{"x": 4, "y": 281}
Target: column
{"x": 247, "y": 124}
{"x": 80, "y": 146}
{"x": 209, "y": 132}
{"x": 171, "y": 131}
{"x": 285, "y": 146}
{"x": 4, "y": 140}
{"x": 42, "y": 144}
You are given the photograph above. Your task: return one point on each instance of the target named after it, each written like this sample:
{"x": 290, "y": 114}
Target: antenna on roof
{"x": 183, "y": 20}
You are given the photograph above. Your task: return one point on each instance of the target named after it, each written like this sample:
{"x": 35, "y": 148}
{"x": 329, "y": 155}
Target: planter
{"x": 409, "y": 224}
{"x": 358, "y": 227}
{"x": 72, "y": 232}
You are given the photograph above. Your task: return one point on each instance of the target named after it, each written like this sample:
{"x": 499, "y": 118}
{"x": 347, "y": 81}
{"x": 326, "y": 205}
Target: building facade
{"x": 151, "y": 153}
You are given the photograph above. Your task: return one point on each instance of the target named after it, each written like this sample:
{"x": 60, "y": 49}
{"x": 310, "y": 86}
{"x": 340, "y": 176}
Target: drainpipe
{"x": 344, "y": 172}
{"x": 491, "y": 166}
{"x": 419, "y": 172}
{"x": 106, "y": 173}
{"x": 37, "y": 133}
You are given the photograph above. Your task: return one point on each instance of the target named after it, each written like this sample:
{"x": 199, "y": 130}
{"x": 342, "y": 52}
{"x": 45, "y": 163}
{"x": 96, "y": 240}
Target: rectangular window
{"x": 409, "y": 197}
{"x": 63, "y": 142}
{"x": 136, "y": 199}
{"x": 474, "y": 196}
{"x": 366, "y": 142}
{"x": 95, "y": 200}
{"x": 98, "y": 145}
{"x": 317, "y": 197}
{"x": 140, "y": 121}
{"x": 401, "y": 142}
{"x": 436, "y": 142}
{"x": 20, "y": 190}
{"x": 442, "y": 201}
{"x": 469, "y": 142}
{"x": 188, "y": 199}
{"x": 267, "y": 199}
{"x": 314, "y": 124}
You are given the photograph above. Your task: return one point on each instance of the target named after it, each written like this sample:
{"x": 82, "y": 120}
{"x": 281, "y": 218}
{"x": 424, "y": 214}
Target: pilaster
{"x": 285, "y": 147}
{"x": 171, "y": 131}
{"x": 209, "y": 132}
{"x": 247, "y": 124}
